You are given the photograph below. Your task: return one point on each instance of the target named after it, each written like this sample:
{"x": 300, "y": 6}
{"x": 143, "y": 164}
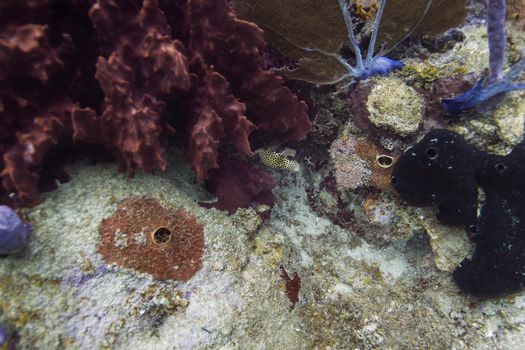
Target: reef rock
{"x": 395, "y": 106}
{"x": 351, "y": 171}
{"x": 360, "y": 163}
{"x": 450, "y": 245}
{"x": 387, "y": 107}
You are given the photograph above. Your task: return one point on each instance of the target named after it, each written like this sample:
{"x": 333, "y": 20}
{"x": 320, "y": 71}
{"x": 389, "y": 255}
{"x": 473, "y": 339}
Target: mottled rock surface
{"x": 352, "y": 294}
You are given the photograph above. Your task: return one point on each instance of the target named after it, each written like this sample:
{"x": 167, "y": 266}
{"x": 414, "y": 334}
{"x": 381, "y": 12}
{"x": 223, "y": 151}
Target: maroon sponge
{"x": 132, "y": 79}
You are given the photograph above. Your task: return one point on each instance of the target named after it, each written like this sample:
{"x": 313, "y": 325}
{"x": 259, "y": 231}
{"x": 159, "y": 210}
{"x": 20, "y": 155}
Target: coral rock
{"x": 143, "y": 236}
{"x": 325, "y": 127}
{"x": 357, "y": 164}
{"x": 394, "y": 106}
{"x": 351, "y": 171}
{"x": 450, "y": 245}
{"x": 387, "y": 108}
{"x": 516, "y": 12}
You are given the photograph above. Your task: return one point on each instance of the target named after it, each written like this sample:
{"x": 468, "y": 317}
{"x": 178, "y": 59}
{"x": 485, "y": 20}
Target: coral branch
{"x": 375, "y": 31}
{"x": 351, "y": 36}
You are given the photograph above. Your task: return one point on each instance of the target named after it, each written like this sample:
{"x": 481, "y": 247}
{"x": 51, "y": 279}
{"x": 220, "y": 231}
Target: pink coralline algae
{"x": 133, "y": 78}
{"x": 351, "y": 171}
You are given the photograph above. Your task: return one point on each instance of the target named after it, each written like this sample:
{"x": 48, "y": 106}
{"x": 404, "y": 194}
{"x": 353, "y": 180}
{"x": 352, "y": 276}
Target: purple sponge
{"x": 14, "y": 233}
{"x": 3, "y": 335}
{"x": 497, "y": 37}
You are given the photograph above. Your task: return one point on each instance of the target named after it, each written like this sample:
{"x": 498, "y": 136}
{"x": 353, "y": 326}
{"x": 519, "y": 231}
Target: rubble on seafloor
{"x": 60, "y": 293}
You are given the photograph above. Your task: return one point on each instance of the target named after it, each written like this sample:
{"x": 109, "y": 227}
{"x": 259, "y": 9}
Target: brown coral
{"x": 144, "y": 236}
{"x": 32, "y": 122}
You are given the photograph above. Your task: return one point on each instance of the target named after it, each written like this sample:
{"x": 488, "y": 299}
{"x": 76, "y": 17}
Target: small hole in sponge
{"x": 384, "y": 161}
{"x": 161, "y": 235}
{"x": 432, "y": 153}
{"x": 500, "y": 167}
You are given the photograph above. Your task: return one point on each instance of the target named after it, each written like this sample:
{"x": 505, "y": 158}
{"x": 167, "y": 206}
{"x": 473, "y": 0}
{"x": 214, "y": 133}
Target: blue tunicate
{"x": 372, "y": 64}
{"x": 14, "y": 233}
{"x": 380, "y": 66}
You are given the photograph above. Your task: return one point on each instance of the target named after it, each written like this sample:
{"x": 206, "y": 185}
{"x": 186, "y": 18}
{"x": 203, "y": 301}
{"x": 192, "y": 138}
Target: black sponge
{"x": 445, "y": 171}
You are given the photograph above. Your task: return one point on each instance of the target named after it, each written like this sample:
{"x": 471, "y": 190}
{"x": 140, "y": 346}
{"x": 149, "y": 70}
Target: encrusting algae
{"x": 144, "y": 236}
{"x": 395, "y": 106}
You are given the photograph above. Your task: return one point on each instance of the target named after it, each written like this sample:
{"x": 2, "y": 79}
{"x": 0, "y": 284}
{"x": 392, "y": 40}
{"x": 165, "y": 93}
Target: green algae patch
{"x": 426, "y": 73}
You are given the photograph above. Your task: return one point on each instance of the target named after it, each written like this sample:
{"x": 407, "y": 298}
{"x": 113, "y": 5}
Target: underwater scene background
{"x": 247, "y": 174}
